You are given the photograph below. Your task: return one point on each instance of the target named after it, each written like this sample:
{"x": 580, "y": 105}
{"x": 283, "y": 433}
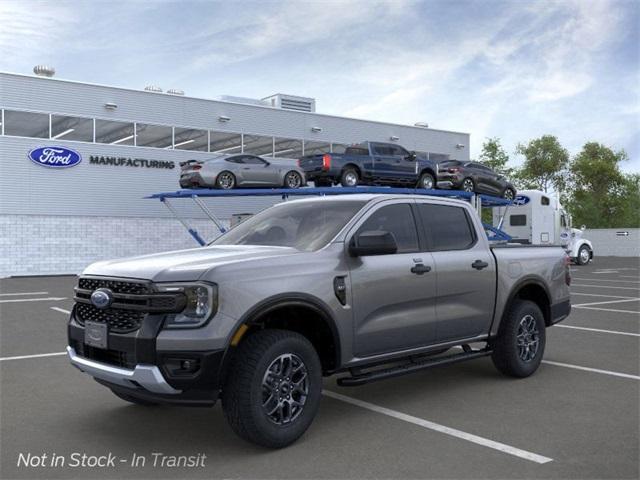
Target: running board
{"x": 360, "y": 378}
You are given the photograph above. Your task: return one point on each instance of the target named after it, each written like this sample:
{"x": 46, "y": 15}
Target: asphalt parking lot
{"x": 577, "y": 417}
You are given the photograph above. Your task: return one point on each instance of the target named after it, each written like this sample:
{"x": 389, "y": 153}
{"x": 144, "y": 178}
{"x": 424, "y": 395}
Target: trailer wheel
{"x": 584, "y": 255}
{"x": 518, "y": 349}
{"x": 273, "y": 388}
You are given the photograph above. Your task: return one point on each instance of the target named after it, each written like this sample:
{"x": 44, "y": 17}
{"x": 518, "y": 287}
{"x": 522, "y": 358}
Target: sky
{"x": 514, "y": 70}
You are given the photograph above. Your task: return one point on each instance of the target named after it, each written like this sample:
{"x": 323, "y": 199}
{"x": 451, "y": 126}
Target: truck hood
{"x": 183, "y": 265}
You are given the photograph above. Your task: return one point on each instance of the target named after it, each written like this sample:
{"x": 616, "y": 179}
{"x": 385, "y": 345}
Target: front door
{"x": 394, "y": 308}
{"x": 466, "y": 271}
{"x": 257, "y": 171}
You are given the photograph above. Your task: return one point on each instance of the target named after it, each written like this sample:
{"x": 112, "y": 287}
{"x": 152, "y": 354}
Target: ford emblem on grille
{"x": 102, "y": 298}
{"x": 55, "y": 157}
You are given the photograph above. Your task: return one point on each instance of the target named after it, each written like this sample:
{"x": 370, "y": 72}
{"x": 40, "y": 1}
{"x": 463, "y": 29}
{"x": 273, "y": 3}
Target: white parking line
{"x": 22, "y": 293}
{"x": 628, "y": 276}
{"x": 608, "y": 310}
{"x": 485, "y": 442}
{"x": 605, "y": 286}
{"x": 598, "y": 295}
{"x": 599, "y": 330}
{"x": 22, "y": 357}
{"x": 48, "y": 299}
{"x": 606, "y": 280}
{"x": 595, "y": 370}
{"x": 61, "y": 310}
{"x": 606, "y": 302}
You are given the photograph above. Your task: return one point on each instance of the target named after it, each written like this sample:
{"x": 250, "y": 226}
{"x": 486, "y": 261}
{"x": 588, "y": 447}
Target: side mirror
{"x": 373, "y": 242}
{"x": 412, "y": 156}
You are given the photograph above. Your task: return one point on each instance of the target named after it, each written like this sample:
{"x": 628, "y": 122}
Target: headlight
{"x": 201, "y": 304}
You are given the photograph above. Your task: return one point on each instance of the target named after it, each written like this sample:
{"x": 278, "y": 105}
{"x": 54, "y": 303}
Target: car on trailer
{"x": 474, "y": 177}
{"x": 366, "y": 285}
{"x": 241, "y": 170}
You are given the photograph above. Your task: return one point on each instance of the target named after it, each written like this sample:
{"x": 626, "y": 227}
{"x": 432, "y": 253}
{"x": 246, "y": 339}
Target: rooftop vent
{"x": 291, "y": 102}
{"x": 44, "y": 71}
{"x": 153, "y": 88}
{"x": 175, "y": 91}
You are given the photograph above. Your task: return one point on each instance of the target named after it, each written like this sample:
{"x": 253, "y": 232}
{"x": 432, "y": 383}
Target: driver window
{"x": 398, "y": 220}
{"x": 253, "y": 160}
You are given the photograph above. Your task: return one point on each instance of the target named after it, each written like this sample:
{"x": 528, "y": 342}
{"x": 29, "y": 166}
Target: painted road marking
{"x": 48, "y": 299}
{"x": 22, "y": 293}
{"x": 599, "y": 330}
{"x": 606, "y": 280}
{"x": 599, "y": 295}
{"x": 40, "y": 355}
{"x": 605, "y": 286}
{"x": 606, "y": 302}
{"x": 608, "y": 310}
{"x": 61, "y": 310}
{"x": 485, "y": 442}
{"x": 595, "y": 370}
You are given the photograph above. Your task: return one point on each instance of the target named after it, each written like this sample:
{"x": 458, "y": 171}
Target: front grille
{"x": 116, "y": 286}
{"x": 111, "y": 357}
{"x": 119, "y": 320}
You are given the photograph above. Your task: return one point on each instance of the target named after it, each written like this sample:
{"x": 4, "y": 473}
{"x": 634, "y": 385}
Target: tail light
{"x": 567, "y": 270}
{"x": 453, "y": 170}
{"x": 299, "y": 162}
{"x": 196, "y": 167}
{"x": 326, "y": 161}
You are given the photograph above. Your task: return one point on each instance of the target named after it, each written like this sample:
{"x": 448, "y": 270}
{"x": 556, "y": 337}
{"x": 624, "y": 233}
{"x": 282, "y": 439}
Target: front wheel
{"x": 293, "y": 179}
{"x": 273, "y": 388}
{"x": 426, "y": 181}
{"x": 584, "y": 255}
{"x": 518, "y": 349}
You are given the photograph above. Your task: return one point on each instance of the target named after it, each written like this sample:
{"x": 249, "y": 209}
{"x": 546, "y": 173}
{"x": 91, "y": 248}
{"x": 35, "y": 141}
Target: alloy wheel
{"x": 351, "y": 179}
{"x": 226, "y": 181}
{"x": 528, "y": 338}
{"x": 508, "y": 194}
{"x": 293, "y": 180}
{"x": 584, "y": 255}
{"x": 427, "y": 182}
{"x": 285, "y": 387}
{"x": 467, "y": 185}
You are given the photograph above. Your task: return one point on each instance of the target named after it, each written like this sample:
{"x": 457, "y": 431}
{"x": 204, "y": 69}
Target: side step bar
{"x": 360, "y": 378}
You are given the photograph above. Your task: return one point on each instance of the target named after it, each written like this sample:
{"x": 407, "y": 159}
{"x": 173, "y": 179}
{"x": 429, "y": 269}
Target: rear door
{"x": 466, "y": 271}
{"x": 393, "y": 308}
{"x": 383, "y": 160}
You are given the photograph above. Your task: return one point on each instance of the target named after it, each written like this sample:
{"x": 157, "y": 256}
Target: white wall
{"x": 607, "y": 242}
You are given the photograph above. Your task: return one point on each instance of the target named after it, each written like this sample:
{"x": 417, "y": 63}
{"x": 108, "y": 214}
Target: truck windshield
{"x": 305, "y": 226}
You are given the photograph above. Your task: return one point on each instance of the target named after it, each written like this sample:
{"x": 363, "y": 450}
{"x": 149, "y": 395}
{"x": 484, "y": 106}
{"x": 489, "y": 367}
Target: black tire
{"x": 292, "y": 180}
{"x": 508, "y": 356}
{"x": 244, "y": 390}
{"x": 349, "y": 177}
{"x": 580, "y": 259}
{"x": 508, "y": 194}
{"x": 225, "y": 180}
{"x": 427, "y": 181}
{"x": 468, "y": 185}
{"x": 137, "y": 401}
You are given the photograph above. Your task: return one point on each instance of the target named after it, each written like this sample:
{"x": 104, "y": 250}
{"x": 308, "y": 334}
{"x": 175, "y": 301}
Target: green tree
{"x": 545, "y": 164}
{"x": 600, "y": 195}
{"x": 494, "y": 156}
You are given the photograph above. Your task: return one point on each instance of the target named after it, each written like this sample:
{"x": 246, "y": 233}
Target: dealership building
{"x": 127, "y": 144}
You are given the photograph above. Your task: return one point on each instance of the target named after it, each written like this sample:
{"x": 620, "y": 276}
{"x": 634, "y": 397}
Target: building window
{"x": 114, "y": 133}
{"x": 157, "y": 136}
{"x": 71, "y": 128}
{"x": 314, "y": 148}
{"x": 225, "y": 142}
{"x": 26, "y": 124}
{"x": 258, "y": 145}
{"x": 287, "y": 148}
{"x": 190, "y": 139}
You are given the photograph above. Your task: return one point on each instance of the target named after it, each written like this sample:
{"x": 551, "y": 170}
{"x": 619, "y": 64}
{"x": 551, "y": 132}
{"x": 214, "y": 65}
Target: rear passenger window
{"x": 518, "y": 220}
{"x": 447, "y": 228}
{"x": 398, "y": 220}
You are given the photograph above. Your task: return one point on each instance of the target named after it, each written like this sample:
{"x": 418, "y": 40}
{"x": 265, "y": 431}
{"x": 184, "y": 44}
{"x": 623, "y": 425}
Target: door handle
{"x": 479, "y": 264}
{"x": 246, "y": 168}
{"x": 420, "y": 269}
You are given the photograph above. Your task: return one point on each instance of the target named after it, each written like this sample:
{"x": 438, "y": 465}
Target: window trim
{"x": 427, "y": 238}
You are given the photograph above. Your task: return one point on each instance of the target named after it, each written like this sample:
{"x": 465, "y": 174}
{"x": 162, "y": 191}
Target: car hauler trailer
{"x": 536, "y": 218}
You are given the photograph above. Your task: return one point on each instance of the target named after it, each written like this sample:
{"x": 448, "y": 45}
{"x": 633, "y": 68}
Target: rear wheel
{"x": 584, "y": 255}
{"x": 427, "y": 181}
{"x": 273, "y": 389}
{"x": 468, "y": 185}
{"x": 509, "y": 194}
{"x": 349, "y": 178}
{"x": 293, "y": 179}
{"x": 226, "y": 180}
{"x": 137, "y": 401}
{"x": 518, "y": 350}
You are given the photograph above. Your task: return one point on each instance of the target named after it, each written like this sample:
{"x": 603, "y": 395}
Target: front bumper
{"x": 148, "y": 377}
{"x": 559, "y": 311}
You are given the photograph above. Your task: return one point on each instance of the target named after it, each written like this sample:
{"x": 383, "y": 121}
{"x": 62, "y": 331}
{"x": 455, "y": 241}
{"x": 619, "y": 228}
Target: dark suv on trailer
{"x": 474, "y": 177}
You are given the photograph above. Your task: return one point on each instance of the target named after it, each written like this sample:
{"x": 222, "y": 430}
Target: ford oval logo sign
{"x": 521, "y": 200}
{"x": 102, "y": 298}
{"x": 55, "y": 157}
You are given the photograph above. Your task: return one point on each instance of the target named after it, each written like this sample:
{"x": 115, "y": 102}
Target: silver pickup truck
{"x": 369, "y": 286}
